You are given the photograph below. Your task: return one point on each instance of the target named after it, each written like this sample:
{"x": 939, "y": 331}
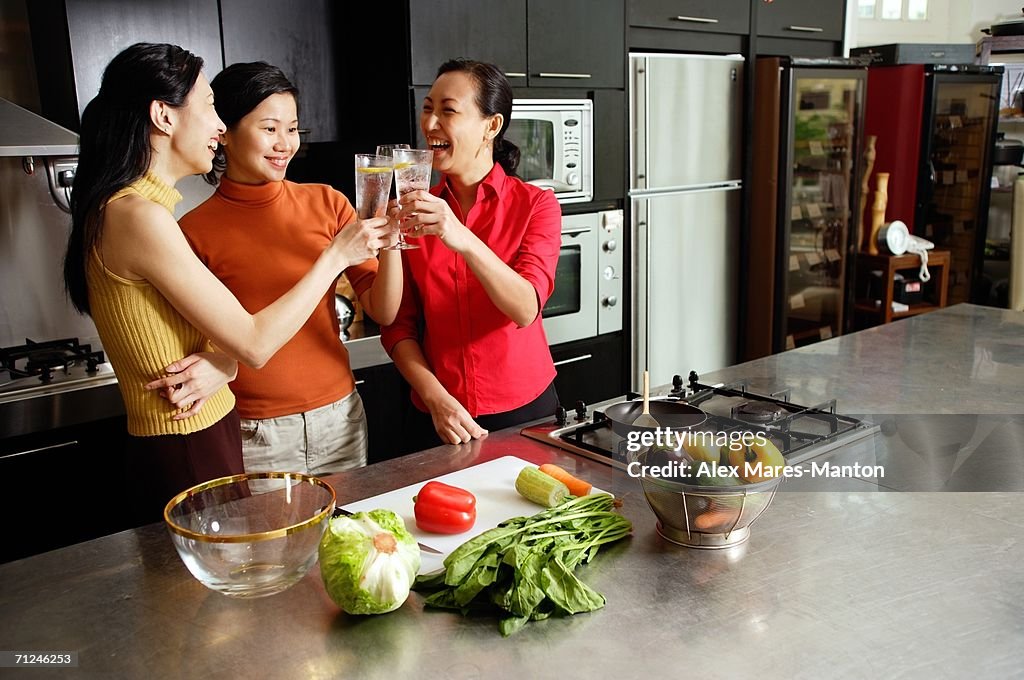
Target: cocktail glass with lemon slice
{"x": 373, "y": 185}
{"x": 389, "y": 150}
{"x": 412, "y": 173}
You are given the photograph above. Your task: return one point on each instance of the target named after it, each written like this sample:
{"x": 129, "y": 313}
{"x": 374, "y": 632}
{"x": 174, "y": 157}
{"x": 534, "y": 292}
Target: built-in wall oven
{"x": 587, "y": 298}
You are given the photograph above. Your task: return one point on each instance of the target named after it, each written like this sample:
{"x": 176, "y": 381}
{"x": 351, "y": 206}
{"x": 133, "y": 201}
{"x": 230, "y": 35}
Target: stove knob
{"x": 610, "y": 301}
{"x": 572, "y": 179}
{"x": 561, "y": 416}
{"x": 610, "y": 246}
{"x": 581, "y": 411}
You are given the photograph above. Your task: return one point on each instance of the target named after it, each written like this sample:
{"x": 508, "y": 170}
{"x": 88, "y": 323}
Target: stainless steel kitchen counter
{"x": 855, "y": 584}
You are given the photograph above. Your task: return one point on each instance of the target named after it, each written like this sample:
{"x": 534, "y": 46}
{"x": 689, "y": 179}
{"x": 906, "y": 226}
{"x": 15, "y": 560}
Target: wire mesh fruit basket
{"x": 700, "y": 516}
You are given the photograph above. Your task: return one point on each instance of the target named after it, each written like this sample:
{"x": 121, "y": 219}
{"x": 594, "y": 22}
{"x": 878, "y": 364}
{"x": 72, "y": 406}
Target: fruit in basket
{"x": 701, "y": 447}
{"x": 719, "y": 475}
{"x": 759, "y": 461}
{"x": 717, "y": 517}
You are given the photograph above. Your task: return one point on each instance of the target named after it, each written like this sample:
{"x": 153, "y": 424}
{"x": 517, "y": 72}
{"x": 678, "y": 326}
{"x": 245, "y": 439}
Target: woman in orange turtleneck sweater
{"x": 129, "y": 266}
{"x": 258, "y": 233}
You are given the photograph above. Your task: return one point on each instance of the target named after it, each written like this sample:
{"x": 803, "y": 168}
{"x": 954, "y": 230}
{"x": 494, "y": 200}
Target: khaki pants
{"x": 328, "y": 439}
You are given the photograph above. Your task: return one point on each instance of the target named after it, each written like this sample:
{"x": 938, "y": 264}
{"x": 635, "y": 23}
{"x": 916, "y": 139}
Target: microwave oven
{"x": 556, "y": 141}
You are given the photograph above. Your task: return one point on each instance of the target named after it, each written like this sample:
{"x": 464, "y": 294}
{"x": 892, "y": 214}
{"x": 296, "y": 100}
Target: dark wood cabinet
{"x": 714, "y": 16}
{"x": 609, "y": 145}
{"x": 74, "y": 40}
{"x": 811, "y": 19}
{"x": 487, "y": 30}
{"x": 576, "y": 43}
{"x": 298, "y": 37}
{"x": 590, "y": 370}
{"x": 385, "y": 396}
{"x": 527, "y": 39}
{"x": 72, "y": 483}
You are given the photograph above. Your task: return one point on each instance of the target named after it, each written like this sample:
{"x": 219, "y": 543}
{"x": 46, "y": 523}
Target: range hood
{"x": 23, "y": 133}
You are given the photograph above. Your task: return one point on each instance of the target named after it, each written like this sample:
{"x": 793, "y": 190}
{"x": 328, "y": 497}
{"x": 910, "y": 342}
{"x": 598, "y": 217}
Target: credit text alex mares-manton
{"x": 751, "y": 470}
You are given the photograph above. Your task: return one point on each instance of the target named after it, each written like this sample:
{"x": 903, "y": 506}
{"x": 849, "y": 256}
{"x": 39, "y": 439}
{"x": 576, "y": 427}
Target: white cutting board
{"x": 493, "y": 484}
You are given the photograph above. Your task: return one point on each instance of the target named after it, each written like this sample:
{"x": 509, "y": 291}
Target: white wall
{"x": 949, "y": 21}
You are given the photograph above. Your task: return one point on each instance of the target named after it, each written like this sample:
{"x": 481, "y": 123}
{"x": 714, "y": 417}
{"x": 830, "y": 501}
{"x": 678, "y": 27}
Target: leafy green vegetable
{"x": 368, "y": 562}
{"x": 525, "y": 566}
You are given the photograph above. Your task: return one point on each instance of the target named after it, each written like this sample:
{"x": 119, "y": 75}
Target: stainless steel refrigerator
{"x": 685, "y": 181}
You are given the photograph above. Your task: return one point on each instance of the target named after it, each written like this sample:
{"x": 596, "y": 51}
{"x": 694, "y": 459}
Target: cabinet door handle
{"x": 695, "y": 20}
{"x": 514, "y": 74}
{"x": 573, "y": 360}
{"x": 359, "y": 382}
{"x": 564, "y": 75}
{"x": 806, "y": 29}
{"x": 41, "y": 449}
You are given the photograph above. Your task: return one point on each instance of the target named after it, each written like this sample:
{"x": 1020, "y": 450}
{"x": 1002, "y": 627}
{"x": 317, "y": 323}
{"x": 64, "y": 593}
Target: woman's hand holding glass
{"x": 362, "y": 239}
{"x": 423, "y": 214}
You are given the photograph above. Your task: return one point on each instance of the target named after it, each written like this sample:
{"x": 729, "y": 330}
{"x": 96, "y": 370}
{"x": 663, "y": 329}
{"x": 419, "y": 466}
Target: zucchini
{"x": 534, "y": 485}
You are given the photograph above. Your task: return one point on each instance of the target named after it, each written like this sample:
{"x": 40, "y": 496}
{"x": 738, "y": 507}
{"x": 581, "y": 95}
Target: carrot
{"x": 577, "y": 487}
{"x": 716, "y": 516}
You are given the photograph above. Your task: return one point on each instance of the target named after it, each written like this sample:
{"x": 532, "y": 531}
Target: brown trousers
{"x": 160, "y": 467}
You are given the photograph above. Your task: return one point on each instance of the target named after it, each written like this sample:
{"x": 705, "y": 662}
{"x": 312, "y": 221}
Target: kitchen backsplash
{"x": 33, "y": 236}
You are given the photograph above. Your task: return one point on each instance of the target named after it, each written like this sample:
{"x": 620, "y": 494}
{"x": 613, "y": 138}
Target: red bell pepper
{"x": 444, "y": 509}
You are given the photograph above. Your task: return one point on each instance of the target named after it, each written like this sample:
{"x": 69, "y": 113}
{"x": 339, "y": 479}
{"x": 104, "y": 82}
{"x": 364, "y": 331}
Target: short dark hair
{"x": 114, "y": 146}
{"x": 239, "y": 89}
{"x": 493, "y": 95}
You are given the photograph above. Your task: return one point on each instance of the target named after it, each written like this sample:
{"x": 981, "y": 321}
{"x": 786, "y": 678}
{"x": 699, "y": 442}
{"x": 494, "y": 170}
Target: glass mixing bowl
{"x": 250, "y": 535}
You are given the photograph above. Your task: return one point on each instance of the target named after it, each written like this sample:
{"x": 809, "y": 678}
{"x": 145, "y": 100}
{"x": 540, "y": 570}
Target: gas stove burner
{"x": 759, "y": 412}
{"x": 799, "y": 432}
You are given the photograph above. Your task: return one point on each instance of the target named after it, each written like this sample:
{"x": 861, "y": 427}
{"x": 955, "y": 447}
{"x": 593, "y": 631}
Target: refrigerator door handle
{"x": 639, "y": 125}
{"x": 642, "y": 310}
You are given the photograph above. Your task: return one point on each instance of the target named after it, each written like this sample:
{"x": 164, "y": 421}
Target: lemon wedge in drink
{"x": 402, "y": 164}
{"x": 369, "y": 171}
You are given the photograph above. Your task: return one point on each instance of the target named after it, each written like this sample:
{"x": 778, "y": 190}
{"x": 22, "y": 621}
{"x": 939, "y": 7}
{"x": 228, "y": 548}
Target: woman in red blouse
{"x": 468, "y": 337}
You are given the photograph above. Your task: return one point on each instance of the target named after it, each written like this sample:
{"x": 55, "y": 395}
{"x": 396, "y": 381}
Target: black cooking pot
{"x": 1007, "y": 151}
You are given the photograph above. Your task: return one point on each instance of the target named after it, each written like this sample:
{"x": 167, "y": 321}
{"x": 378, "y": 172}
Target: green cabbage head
{"x": 368, "y": 562}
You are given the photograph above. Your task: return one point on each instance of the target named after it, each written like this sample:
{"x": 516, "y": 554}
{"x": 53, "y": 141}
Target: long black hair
{"x": 239, "y": 89}
{"x": 493, "y": 95}
{"x": 114, "y": 147}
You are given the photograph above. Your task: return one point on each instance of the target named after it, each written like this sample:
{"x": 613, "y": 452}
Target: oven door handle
{"x": 573, "y": 233}
{"x": 573, "y": 360}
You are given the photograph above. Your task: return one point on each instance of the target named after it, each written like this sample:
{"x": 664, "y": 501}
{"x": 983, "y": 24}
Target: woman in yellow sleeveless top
{"x": 129, "y": 266}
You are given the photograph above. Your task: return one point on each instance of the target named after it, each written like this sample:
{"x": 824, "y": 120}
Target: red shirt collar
{"x": 493, "y": 182}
